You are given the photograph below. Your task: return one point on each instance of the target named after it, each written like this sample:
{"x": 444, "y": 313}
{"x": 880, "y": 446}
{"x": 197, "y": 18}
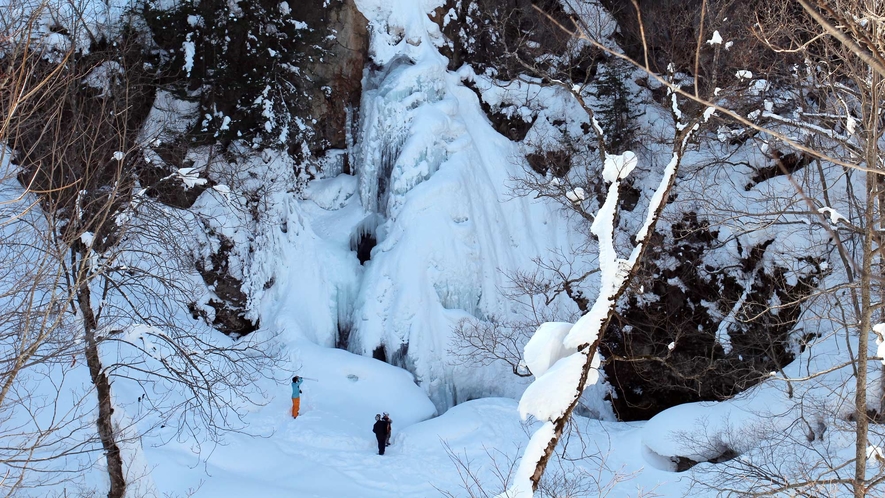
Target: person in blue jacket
{"x": 296, "y": 395}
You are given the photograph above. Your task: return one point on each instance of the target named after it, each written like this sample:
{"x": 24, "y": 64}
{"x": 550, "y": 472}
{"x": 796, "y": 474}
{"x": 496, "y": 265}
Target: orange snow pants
{"x": 296, "y": 404}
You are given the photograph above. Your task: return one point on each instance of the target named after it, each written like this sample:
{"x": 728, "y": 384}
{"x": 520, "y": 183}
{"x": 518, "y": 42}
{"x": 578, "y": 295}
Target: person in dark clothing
{"x": 381, "y": 431}
{"x": 386, "y": 418}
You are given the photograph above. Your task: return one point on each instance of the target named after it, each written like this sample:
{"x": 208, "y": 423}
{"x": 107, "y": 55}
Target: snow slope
{"x": 329, "y": 451}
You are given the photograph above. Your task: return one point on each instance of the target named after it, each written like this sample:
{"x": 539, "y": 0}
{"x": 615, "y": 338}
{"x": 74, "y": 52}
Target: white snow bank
{"x": 364, "y": 384}
{"x": 705, "y": 430}
{"x": 331, "y": 193}
{"x": 328, "y": 451}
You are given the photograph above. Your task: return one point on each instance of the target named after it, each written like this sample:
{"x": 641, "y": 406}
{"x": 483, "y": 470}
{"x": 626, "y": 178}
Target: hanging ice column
{"x": 390, "y": 150}
{"x": 382, "y": 133}
{"x": 427, "y": 258}
{"x": 391, "y": 157}
{"x": 436, "y": 173}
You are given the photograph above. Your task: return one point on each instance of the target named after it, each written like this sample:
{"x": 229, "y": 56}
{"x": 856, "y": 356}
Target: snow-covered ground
{"x": 433, "y": 185}
{"x": 330, "y": 451}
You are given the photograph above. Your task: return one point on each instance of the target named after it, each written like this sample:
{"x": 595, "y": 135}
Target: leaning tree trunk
{"x": 614, "y": 280}
{"x": 105, "y": 424}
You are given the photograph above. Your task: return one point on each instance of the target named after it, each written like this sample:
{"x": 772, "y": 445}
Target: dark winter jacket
{"x": 380, "y": 429}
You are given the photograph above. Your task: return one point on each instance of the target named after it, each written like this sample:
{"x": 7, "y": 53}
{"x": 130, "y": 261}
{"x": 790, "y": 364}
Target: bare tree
{"x": 842, "y": 46}
{"x": 105, "y": 274}
{"x": 494, "y": 339}
{"x": 34, "y": 346}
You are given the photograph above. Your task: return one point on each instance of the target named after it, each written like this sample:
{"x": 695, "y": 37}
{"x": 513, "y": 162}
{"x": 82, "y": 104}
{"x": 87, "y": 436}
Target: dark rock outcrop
{"x": 661, "y": 347}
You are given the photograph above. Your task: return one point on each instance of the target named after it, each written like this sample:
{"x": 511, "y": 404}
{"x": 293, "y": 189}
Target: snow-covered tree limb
{"x": 563, "y": 357}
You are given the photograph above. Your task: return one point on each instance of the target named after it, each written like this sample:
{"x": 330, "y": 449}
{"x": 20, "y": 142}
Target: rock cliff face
{"x": 701, "y": 331}
{"x": 265, "y": 74}
{"x": 337, "y": 71}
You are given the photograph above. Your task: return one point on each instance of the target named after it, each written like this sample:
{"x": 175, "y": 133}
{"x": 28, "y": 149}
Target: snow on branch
{"x": 190, "y": 177}
{"x": 879, "y": 329}
{"x": 562, "y": 357}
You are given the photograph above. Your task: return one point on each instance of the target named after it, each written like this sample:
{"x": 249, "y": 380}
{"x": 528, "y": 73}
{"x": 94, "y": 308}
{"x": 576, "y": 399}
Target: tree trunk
{"x": 860, "y": 397}
{"x": 103, "y": 389}
{"x": 871, "y": 111}
{"x": 880, "y": 243}
{"x": 560, "y": 423}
